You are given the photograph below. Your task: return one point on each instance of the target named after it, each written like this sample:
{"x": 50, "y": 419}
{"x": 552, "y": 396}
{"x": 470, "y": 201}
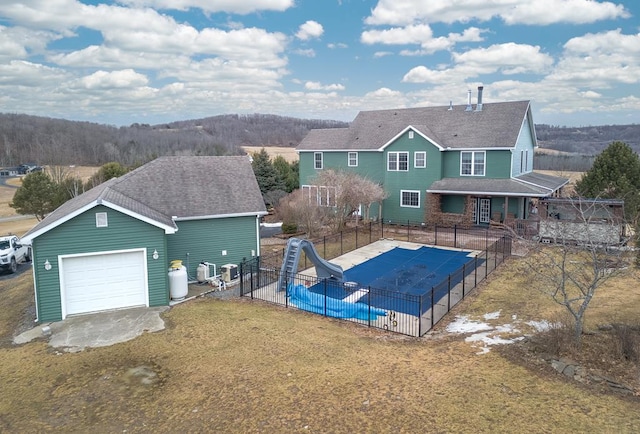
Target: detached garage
{"x": 110, "y": 248}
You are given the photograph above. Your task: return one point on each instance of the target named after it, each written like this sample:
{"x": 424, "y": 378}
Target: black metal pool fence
{"x": 408, "y": 314}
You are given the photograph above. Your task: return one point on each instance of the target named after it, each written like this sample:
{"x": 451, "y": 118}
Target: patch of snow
{"x": 492, "y": 315}
{"x": 462, "y": 324}
{"x": 540, "y": 326}
{"x": 271, "y": 225}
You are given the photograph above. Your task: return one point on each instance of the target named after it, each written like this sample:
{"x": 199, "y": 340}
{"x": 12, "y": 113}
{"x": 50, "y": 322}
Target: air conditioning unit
{"x": 229, "y": 272}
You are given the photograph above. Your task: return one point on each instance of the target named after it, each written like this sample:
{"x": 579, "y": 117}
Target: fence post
{"x": 435, "y": 235}
{"x": 420, "y": 317}
{"x": 449, "y": 293}
{"x": 286, "y": 289}
{"x": 455, "y": 236}
{"x": 341, "y": 242}
{"x": 495, "y": 259}
{"x": 324, "y": 246}
{"x": 381, "y": 228}
{"x": 370, "y": 229}
{"x": 369, "y": 303}
{"x": 356, "y": 236}
{"x": 408, "y": 230}
{"x": 433, "y": 308}
{"x": 325, "y": 296}
{"x": 241, "y": 279}
{"x": 475, "y": 272}
{"x": 464, "y": 277}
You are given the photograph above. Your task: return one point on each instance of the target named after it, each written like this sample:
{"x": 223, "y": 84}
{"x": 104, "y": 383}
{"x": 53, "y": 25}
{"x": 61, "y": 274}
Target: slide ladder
{"x": 295, "y": 246}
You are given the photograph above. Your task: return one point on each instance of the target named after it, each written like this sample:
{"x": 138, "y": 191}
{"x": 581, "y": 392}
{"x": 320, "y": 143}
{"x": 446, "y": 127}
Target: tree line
{"x": 58, "y": 142}
{"x": 49, "y": 141}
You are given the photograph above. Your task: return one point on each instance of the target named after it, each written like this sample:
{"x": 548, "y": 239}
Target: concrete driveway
{"x": 98, "y": 329}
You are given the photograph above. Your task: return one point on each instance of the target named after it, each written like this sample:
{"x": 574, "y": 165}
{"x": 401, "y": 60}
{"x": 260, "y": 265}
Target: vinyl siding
{"x": 525, "y": 142}
{"x": 80, "y": 235}
{"x": 369, "y": 165}
{"x": 497, "y": 164}
{"x": 204, "y": 240}
{"x": 413, "y": 179}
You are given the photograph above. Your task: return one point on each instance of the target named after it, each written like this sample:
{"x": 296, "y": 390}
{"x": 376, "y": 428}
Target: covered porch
{"x": 512, "y": 202}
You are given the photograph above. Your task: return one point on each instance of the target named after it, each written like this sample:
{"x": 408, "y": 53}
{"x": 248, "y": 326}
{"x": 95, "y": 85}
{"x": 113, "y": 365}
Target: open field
{"x": 289, "y": 154}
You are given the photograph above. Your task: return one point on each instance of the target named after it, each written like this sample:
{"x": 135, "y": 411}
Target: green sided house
{"x": 110, "y": 248}
{"x": 456, "y": 164}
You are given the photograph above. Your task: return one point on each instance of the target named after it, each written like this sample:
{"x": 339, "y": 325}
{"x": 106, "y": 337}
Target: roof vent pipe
{"x": 479, "y": 106}
{"x": 469, "y": 108}
{"x": 450, "y": 105}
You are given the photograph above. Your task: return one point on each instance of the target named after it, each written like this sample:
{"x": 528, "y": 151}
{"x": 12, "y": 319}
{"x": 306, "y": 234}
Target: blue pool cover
{"x": 401, "y": 279}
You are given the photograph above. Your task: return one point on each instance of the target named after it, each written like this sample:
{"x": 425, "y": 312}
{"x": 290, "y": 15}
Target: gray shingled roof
{"x": 523, "y": 185}
{"x": 167, "y": 187}
{"x": 496, "y": 125}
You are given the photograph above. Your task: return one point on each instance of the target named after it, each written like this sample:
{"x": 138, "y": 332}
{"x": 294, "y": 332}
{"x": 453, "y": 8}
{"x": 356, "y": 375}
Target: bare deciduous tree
{"x": 296, "y": 208}
{"x": 350, "y": 192}
{"x": 582, "y": 255}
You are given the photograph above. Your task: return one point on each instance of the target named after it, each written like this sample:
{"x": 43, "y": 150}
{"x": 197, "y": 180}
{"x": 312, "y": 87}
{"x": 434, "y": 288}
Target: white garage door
{"x": 101, "y": 282}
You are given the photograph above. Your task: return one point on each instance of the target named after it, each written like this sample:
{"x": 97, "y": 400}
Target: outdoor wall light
{"x": 47, "y": 265}
{"x": 155, "y": 254}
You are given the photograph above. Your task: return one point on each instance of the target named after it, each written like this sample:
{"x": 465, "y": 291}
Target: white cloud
{"x": 314, "y": 85}
{"x": 231, "y": 6}
{"x": 539, "y": 12}
{"x": 338, "y": 45}
{"x": 309, "y": 30}
{"x": 309, "y": 52}
{"x": 422, "y": 35}
{"x": 27, "y": 74}
{"x": 413, "y": 34}
{"x": 600, "y": 60}
{"x": 509, "y": 58}
{"x": 114, "y": 79}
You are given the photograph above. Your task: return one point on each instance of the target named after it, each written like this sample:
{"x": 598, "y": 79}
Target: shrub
{"x": 289, "y": 228}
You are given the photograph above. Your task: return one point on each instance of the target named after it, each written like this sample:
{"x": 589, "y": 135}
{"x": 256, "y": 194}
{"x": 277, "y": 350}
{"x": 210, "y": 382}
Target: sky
{"x": 155, "y": 61}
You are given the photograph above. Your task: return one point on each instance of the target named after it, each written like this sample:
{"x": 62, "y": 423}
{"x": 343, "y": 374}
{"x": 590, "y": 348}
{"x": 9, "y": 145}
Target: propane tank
{"x": 202, "y": 272}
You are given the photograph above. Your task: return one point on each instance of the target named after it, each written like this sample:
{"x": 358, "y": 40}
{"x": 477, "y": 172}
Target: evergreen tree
{"x": 268, "y": 178}
{"x": 615, "y": 174}
{"x": 36, "y": 196}
{"x": 105, "y": 173}
{"x": 288, "y": 172}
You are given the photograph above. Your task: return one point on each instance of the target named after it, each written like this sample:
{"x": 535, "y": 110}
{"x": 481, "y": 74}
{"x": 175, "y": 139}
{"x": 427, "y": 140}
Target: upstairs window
{"x": 398, "y": 161}
{"x": 472, "y": 163}
{"x": 352, "y": 159}
{"x": 317, "y": 160}
{"x": 420, "y": 160}
{"x": 411, "y": 134}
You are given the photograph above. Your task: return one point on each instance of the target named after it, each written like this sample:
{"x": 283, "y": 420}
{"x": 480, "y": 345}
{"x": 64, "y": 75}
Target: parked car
{"x": 13, "y": 253}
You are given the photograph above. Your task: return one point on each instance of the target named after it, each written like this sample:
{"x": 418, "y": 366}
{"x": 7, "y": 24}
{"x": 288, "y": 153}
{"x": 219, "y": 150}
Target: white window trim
{"x": 102, "y": 221}
{"x": 410, "y": 134}
{"x": 397, "y": 154}
{"x": 415, "y": 159}
{"x": 409, "y": 191}
{"x": 473, "y": 166}
{"x": 321, "y": 195}
{"x": 315, "y": 160}
{"x": 349, "y": 159}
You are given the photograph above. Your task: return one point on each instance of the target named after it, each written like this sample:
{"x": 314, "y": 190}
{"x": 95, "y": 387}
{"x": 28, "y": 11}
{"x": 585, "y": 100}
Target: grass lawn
{"x": 242, "y": 366}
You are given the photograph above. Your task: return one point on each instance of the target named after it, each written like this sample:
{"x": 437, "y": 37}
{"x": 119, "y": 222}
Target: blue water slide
{"x": 295, "y": 247}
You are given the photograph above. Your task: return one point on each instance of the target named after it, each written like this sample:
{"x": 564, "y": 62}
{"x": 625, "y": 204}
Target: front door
{"x": 481, "y": 210}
